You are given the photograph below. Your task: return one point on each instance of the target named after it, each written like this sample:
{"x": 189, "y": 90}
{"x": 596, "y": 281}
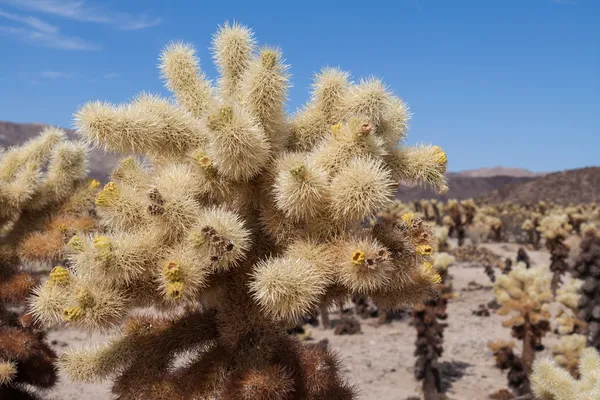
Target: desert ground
{"x": 379, "y": 360}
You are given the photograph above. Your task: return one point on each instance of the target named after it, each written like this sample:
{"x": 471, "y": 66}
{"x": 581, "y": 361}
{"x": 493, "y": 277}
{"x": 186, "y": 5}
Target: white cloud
{"x": 33, "y": 22}
{"x": 111, "y": 75}
{"x": 53, "y": 40}
{"x": 55, "y": 75}
{"x": 80, "y": 11}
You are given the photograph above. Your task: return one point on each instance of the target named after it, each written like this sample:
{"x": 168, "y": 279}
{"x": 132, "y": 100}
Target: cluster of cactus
{"x": 459, "y": 216}
{"x": 530, "y": 227}
{"x": 587, "y": 268}
{"x": 525, "y": 293}
{"x": 245, "y": 221}
{"x": 500, "y": 221}
{"x": 430, "y": 331}
{"x": 43, "y": 200}
{"x": 431, "y": 210}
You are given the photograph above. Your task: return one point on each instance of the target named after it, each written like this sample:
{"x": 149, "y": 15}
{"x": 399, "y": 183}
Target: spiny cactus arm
{"x": 35, "y": 151}
{"x": 567, "y": 352}
{"x": 180, "y": 68}
{"x": 330, "y": 88}
{"x": 15, "y": 287}
{"x": 420, "y": 165}
{"x": 237, "y": 143}
{"x": 150, "y": 125}
{"x": 67, "y": 166}
{"x": 232, "y": 47}
{"x": 550, "y": 382}
{"x": 264, "y": 89}
{"x": 145, "y": 340}
{"x": 80, "y": 300}
{"x": 31, "y": 359}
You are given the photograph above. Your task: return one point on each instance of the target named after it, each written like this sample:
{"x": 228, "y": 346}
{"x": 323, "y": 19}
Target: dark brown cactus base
{"x": 587, "y": 268}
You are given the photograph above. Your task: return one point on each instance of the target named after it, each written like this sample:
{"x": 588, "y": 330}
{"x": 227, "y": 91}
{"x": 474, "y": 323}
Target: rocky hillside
{"x": 462, "y": 187}
{"x": 500, "y": 171}
{"x": 580, "y": 185}
{"x": 12, "y": 134}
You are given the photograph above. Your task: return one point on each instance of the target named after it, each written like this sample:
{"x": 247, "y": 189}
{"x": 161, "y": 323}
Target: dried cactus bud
{"x": 155, "y": 196}
{"x": 155, "y": 209}
{"x": 364, "y": 130}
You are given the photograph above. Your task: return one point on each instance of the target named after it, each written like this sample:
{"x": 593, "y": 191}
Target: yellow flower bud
{"x": 408, "y": 217}
{"x": 175, "y": 290}
{"x": 102, "y": 243}
{"x": 60, "y": 275}
{"x": 94, "y": 184}
{"x": 336, "y": 128}
{"x": 85, "y": 299}
{"x": 71, "y": 314}
{"x": 424, "y": 250}
{"x": 172, "y": 271}
{"x": 107, "y": 196}
{"x": 358, "y": 257}
{"x": 76, "y": 244}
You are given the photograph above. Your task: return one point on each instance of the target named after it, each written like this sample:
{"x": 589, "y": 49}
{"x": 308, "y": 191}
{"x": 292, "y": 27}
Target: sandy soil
{"x": 379, "y": 361}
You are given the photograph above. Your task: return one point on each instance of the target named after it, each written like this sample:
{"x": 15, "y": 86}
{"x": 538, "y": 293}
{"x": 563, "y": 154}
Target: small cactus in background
{"x": 526, "y": 294}
{"x": 550, "y": 382}
{"x": 430, "y": 331}
{"x": 518, "y": 376}
{"x": 530, "y": 227}
{"x": 555, "y": 229}
{"x": 245, "y": 222}
{"x": 587, "y": 268}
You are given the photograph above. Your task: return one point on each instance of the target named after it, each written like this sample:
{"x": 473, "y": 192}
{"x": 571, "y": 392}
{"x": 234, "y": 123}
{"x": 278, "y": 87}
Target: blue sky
{"x": 494, "y": 82}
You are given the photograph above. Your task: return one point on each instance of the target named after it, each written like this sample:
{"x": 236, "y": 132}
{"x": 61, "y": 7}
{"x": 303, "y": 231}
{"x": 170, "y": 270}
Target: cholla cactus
{"x": 568, "y": 298}
{"x": 555, "y": 229}
{"x": 526, "y": 293}
{"x": 42, "y": 200}
{"x": 440, "y": 239}
{"x": 456, "y": 221}
{"x": 567, "y": 351}
{"x": 587, "y": 268}
{"x": 550, "y": 382}
{"x": 245, "y": 222}
{"x": 430, "y": 332}
{"x": 530, "y": 227}
{"x": 505, "y": 358}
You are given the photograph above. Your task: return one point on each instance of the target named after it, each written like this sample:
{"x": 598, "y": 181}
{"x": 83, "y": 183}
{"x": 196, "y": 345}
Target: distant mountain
{"x": 500, "y": 171}
{"x": 12, "y": 134}
{"x": 461, "y": 187}
{"x": 580, "y": 185}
